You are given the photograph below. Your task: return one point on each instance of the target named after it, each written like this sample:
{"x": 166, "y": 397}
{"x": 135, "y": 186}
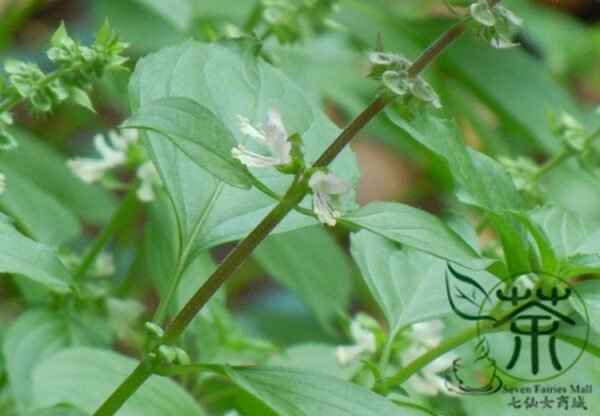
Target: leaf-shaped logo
{"x": 466, "y": 296}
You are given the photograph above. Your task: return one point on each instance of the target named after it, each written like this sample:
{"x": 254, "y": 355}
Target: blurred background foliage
{"x": 500, "y": 98}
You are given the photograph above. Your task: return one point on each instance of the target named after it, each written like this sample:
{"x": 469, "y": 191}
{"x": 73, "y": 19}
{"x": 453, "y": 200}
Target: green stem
{"x": 243, "y": 250}
{"x": 580, "y": 343}
{"x": 173, "y": 282}
{"x": 182, "y": 262}
{"x": 437, "y": 47}
{"x": 269, "y": 192}
{"x": 177, "y": 370}
{"x": 109, "y": 229}
{"x": 140, "y": 374}
{"x": 383, "y": 100}
{"x": 387, "y": 351}
{"x": 551, "y": 164}
{"x": 14, "y": 98}
{"x": 449, "y": 344}
{"x": 352, "y": 130}
{"x": 235, "y": 259}
{"x": 566, "y": 153}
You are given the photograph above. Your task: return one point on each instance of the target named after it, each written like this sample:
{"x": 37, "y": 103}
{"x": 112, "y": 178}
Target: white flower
{"x": 148, "y": 178}
{"x": 327, "y": 189}
{"x": 524, "y": 282}
{"x": 113, "y": 155}
{"x": 424, "y": 336}
{"x": 499, "y": 43}
{"x": 274, "y": 138}
{"x": 364, "y": 341}
{"x": 104, "y": 265}
{"x": 428, "y": 333}
{"x": 2, "y": 183}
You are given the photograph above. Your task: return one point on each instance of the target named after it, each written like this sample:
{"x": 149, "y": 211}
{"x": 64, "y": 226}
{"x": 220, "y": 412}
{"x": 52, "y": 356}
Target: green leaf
{"x": 160, "y": 242}
{"x": 38, "y": 213}
{"x": 416, "y": 229}
{"x": 564, "y": 40}
{"x": 20, "y": 255}
{"x": 482, "y": 181}
{"x": 301, "y": 393}
{"x": 477, "y": 67}
{"x": 197, "y": 132}
{"x": 60, "y": 410}
{"x": 589, "y": 290}
{"x": 547, "y": 260}
{"x": 312, "y": 264}
{"x": 84, "y": 377}
{"x": 60, "y": 35}
{"x": 34, "y": 336}
{"x": 407, "y": 285}
{"x": 228, "y": 78}
{"x": 514, "y": 243}
{"x": 568, "y": 233}
{"x": 319, "y": 358}
{"x": 80, "y": 97}
{"x": 51, "y": 174}
{"x": 176, "y": 12}
{"x": 574, "y": 239}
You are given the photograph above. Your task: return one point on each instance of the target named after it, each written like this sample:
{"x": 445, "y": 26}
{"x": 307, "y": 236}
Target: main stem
{"x": 235, "y": 259}
{"x": 243, "y": 250}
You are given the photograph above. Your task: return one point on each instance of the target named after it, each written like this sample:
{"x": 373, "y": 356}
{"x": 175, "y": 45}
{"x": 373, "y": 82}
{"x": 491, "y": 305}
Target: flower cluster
{"x": 570, "y": 131}
{"x": 28, "y": 81}
{"x": 392, "y": 70}
{"x": 120, "y": 150}
{"x": 522, "y": 170}
{"x": 282, "y": 17}
{"x": 364, "y": 341}
{"x": 496, "y": 25}
{"x": 80, "y": 63}
{"x": 76, "y": 66}
{"x": 285, "y": 154}
{"x": 424, "y": 336}
{"x": 169, "y": 354}
{"x": 577, "y": 139}
{"x": 103, "y": 266}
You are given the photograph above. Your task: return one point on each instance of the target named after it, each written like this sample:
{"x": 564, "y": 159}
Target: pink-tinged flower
{"x": 327, "y": 189}
{"x": 274, "y": 138}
